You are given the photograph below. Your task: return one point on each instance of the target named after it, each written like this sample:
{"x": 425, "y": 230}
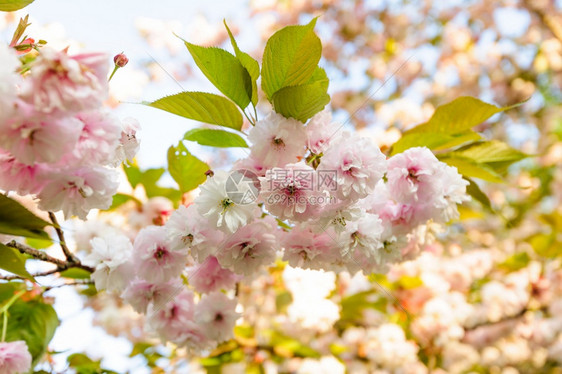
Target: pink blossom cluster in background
{"x": 57, "y": 141}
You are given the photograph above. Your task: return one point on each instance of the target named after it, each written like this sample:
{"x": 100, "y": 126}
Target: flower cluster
{"x": 343, "y": 207}
{"x": 348, "y": 206}
{"x": 56, "y": 140}
{"x": 147, "y": 276}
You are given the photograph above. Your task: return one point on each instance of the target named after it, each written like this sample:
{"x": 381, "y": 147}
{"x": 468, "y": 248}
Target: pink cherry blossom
{"x": 210, "y": 276}
{"x": 413, "y": 176}
{"x": 111, "y": 257}
{"x": 309, "y": 250}
{"x": 216, "y": 205}
{"x": 363, "y": 235}
{"x": 335, "y": 214}
{"x": 175, "y": 322}
{"x": 66, "y": 83}
{"x": 216, "y": 315}
{"x": 140, "y": 293}
{"x": 252, "y": 164}
{"x": 14, "y": 357}
{"x": 21, "y": 178}
{"x": 155, "y": 259}
{"x": 33, "y": 137}
{"x": 249, "y": 248}
{"x": 277, "y": 140}
{"x": 357, "y": 165}
{"x": 292, "y": 192}
{"x": 99, "y": 138}
{"x": 186, "y": 228}
{"x": 401, "y": 218}
{"x": 9, "y": 62}
{"x": 77, "y": 190}
{"x": 129, "y": 142}
{"x": 155, "y": 211}
{"x": 321, "y": 132}
{"x": 453, "y": 192}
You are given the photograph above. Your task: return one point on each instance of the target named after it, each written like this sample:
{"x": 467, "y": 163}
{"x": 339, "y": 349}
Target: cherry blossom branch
{"x": 69, "y": 256}
{"x": 42, "y": 274}
{"x": 83, "y": 282}
{"x": 61, "y": 264}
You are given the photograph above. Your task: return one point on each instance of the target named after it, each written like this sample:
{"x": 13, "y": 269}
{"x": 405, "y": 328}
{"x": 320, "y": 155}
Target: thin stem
{"x": 113, "y": 73}
{"x": 248, "y": 118}
{"x": 4, "y": 325}
{"x": 85, "y": 282}
{"x": 4, "y": 311}
{"x": 9, "y": 303}
{"x": 42, "y": 274}
{"x": 69, "y": 256}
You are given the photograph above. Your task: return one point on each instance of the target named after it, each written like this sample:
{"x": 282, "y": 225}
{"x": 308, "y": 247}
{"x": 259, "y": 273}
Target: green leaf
{"x": 139, "y": 348}
{"x": 545, "y": 245}
{"x": 472, "y": 169}
{"x": 553, "y": 219}
{"x": 120, "y": 199}
{"x": 215, "y": 138}
{"x": 8, "y": 290}
{"x": 352, "y": 306}
{"x": 492, "y": 151}
{"x": 83, "y": 364}
{"x": 76, "y": 273}
{"x": 38, "y": 243}
{"x": 515, "y": 262}
{"x": 484, "y": 160}
{"x": 458, "y": 116}
{"x": 286, "y": 346}
{"x": 203, "y": 107}
{"x": 433, "y": 140}
{"x": 13, "y": 261}
{"x": 149, "y": 180}
{"x": 17, "y": 220}
{"x": 409, "y": 282}
{"x": 282, "y": 300}
{"x": 224, "y": 71}
{"x": 304, "y": 101}
{"x": 35, "y": 323}
{"x": 137, "y": 176}
{"x": 251, "y": 65}
{"x": 290, "y": 58}
{"x": 473, "y": 190}
{"x": 244, "y": 331}
{"x": 187, "y": 170}
{"x": 13, "y": 5}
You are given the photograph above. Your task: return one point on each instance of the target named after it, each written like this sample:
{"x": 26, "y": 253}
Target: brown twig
{"x": 42, "y": 274}
{"x": 37, "y": 254}
{"x": 61, "y": 264}
{"x": 84, "y": 282}
{"x": 69, "y": 256}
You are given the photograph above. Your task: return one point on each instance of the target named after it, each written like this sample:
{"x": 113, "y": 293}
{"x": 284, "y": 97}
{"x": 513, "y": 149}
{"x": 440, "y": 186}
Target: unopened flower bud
{"x": 120, "y": 60}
